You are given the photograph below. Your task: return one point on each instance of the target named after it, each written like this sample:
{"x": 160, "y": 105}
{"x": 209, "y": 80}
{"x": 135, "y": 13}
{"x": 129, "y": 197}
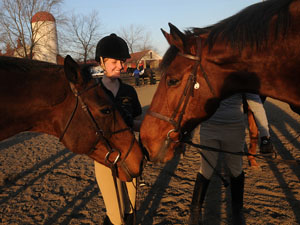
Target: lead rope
{"x": 131, "y": 205}
{"x": 260, "y": 156}
{"x": 124, "y": 187}
{"x": 225, "y": 182}
{"x": 114, "y": 174}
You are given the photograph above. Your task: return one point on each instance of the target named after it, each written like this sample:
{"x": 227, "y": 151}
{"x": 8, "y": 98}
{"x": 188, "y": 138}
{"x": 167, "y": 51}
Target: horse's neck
{"x": 273, "y": 70}
{"x": 29, "y": 102}
{"x": 266, "y": 73}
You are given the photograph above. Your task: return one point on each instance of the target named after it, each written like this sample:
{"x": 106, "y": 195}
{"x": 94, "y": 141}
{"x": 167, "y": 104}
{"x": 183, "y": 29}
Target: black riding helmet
{"x": 113, "y": 47}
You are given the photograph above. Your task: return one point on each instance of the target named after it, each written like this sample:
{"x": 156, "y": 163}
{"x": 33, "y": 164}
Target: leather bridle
{"x": 183, "y": 101}
{"x": 100, "y": 134}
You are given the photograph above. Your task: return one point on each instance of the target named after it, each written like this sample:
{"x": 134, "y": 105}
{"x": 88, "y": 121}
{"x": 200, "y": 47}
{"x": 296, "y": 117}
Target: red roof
{"x": 136, "y": 56}
{"x": 42, "y": 16}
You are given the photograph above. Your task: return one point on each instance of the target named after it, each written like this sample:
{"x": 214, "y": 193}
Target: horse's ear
{"x": 72, "y": 70}
{"x": 176, "y": 37}
{"x": 167, "y": 36}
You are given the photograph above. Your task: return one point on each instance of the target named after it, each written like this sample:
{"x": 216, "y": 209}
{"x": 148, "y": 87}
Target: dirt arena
{"x": 42, "y": 182}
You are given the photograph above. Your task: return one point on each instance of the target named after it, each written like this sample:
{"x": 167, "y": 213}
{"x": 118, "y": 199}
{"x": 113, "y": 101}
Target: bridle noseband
{"x": 183, "y": 101}
{"x": 100, "y": 134}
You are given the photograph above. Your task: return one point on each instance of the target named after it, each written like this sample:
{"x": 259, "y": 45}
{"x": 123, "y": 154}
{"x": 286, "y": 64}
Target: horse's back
{"x": 27, "y": 88}
{"x": 23, "y": 76}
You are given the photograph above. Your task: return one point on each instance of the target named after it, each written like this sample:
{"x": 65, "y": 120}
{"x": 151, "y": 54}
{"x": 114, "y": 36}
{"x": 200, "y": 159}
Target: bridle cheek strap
{"x": 187, "y": 93}
{"x": 98, "y": 131}
{"x": 182, "y": 104}
{"x": 101, "y": 137}
{"x": 78, "y": 99}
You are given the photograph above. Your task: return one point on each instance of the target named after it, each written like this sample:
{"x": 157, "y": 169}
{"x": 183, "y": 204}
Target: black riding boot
{"x": 130, "y": 219}
{"x": 200, "y": 189}
{"x": 107, "y": 221}
{"x": 237, "y": 196}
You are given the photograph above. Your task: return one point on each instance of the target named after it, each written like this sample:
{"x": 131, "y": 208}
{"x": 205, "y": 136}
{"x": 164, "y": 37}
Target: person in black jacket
{"x": 111, "y": 53}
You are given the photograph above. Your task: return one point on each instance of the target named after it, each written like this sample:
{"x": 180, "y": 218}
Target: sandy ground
{"x": 41, "y": 182}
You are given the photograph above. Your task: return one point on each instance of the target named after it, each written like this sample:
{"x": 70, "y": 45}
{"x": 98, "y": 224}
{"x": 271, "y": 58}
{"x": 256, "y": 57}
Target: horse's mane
{"x": 26, "y": 65}
{"x": 168, "y": 58}
{"x": 249, "y": 26}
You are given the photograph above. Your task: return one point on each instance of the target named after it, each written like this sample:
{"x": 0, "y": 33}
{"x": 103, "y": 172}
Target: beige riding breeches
{"x": 127, "y": 191}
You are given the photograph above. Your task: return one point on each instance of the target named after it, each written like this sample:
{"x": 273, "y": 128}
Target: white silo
{"x": 45, "y": 37}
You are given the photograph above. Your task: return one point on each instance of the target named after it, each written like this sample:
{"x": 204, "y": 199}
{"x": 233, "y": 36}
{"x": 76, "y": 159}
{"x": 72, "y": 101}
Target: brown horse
{"x": 66, "y": 102}
{"x": 256, "y": 50}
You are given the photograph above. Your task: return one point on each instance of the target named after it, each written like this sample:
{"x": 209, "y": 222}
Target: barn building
{"x": 143, "y": 58}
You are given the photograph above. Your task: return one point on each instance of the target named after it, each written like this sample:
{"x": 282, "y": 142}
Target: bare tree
{"x": 136, "y": 37}
{"x": 145, "y": 43}
{"x": 82, "y": 35}
{"x": 15, "y": 22}
{"x": 3, "y": 39}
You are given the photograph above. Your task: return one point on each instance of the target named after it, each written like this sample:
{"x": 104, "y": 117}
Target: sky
{"x": 155, "y": 15}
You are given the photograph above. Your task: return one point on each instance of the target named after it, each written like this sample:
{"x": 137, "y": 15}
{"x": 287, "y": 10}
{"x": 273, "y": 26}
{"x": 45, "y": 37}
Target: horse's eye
{"x": 106, "y": 111}
{"x": 172, "y": 82}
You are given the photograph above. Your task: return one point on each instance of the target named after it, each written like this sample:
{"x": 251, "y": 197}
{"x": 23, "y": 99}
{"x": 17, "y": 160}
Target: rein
{"x": 78, "y": 96}
{"x": 183, "y": 101}
{"x": 99, "y": 133}
{"x": 259, "y": 156}
{"x": 267, "y": 157}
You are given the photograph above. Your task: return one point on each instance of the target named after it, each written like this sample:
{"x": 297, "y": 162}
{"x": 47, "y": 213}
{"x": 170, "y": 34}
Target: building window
{"x": 150, "y": 55}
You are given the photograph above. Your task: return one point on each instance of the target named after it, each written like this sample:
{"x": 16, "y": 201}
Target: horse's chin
{"x": 129, "y": 175}
{"x": 168, "y": 157}
{"x": 164, "y": 154}
{"x": 125, "y": 171}
{"x": 125, "y": 177}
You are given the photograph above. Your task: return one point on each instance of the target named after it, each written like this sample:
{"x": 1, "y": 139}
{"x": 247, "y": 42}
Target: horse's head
{"x": 94, "y": 127}
{"x": 179, "y": 103}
